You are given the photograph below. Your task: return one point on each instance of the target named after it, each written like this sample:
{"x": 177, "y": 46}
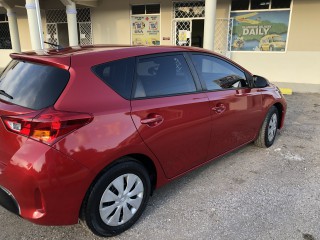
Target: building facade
{"x": 274, "y": 38}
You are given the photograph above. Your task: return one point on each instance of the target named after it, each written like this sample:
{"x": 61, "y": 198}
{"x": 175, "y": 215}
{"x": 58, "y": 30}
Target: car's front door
{"x": 172, "y": 117}
{"x": 235, "y": 108}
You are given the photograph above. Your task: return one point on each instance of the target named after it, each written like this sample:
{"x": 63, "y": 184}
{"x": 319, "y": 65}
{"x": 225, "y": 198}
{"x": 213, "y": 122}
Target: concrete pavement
{"x": 252, "y": 193}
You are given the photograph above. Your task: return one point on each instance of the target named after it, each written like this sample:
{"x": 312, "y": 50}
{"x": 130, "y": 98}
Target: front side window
{"x": 217, "y": 74}
{"x": 161, "y": 76}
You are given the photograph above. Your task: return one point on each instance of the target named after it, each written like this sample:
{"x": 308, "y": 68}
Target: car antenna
{"x": 59, "y": 47}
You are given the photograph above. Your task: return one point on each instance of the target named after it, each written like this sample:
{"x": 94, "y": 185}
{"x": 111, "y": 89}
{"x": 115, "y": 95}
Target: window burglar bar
{"x": 5, "y": 39}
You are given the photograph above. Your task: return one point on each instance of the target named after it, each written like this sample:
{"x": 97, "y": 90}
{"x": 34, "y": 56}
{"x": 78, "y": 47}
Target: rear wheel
{"x": 269, "y": 129}
{"x": 117, "y": 199}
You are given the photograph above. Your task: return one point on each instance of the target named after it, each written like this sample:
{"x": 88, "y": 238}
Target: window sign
{"x": 145, "y": 30}
{"x": 260, "y": 30}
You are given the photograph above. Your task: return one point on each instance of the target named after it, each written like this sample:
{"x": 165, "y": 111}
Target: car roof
{"x": 80, "y": 50}
{"x": 62, "y": 57}
{"x": 97, "y": 54}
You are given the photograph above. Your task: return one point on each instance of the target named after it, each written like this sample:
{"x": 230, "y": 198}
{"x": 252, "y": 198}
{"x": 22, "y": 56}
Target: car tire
{"x": 268, "y": 131}
{"x": 117, "y": 199}
{"x": 271, "y": 48}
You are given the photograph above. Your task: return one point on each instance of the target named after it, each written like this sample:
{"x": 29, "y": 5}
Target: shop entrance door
{"x": 197, "y": 33}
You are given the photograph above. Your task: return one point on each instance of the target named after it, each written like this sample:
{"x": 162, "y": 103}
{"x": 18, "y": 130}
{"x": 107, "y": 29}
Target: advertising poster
{"x": 145, "y": 30}
{"x": 183, "y": 35}
{"x": 260, "y": 31}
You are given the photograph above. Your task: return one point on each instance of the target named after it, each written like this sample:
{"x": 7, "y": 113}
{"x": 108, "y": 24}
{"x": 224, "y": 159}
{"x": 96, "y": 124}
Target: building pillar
{"x": 72, "y": 24}
{"x": 13, "y": 25}
{"x": 14, "y": 32}
{"x": 33, "y": 25}
{"x": 209, "y": 24}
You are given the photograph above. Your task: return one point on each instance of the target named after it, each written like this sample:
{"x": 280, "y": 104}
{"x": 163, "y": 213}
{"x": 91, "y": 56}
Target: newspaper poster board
{"x": 260, "y": 30}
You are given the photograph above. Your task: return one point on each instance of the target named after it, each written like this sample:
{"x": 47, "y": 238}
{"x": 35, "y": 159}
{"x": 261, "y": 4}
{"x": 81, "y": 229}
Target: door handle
{"x": 152, "y": 120}
{"x": 220, "y": 108}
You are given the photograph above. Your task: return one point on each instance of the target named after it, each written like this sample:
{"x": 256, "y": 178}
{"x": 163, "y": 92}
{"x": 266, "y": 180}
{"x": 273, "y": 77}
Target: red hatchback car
{"x": 90, "y": 132}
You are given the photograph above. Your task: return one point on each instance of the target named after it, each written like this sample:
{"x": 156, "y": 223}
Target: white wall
{"x": 291, "y": 67}
{"x": 24, "y": 34}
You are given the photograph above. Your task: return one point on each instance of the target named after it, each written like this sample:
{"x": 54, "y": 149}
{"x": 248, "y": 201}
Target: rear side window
{"x": 32, "y": 85}
{"x": 165, "y": 75}
{"x": 118, "y": 75}
{"x": 218, "y": 74}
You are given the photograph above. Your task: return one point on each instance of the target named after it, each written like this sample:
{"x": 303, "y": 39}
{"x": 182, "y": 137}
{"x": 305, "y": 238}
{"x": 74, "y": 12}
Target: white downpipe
{"x": 209, "y": 24}
{"x": 14, "y": 32}
{"x": 33, "y": 25}
{"x": 72, "y": 24}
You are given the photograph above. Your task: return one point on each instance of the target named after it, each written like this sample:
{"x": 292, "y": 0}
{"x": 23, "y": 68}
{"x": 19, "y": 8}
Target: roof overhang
{"x": 87, "y": 3}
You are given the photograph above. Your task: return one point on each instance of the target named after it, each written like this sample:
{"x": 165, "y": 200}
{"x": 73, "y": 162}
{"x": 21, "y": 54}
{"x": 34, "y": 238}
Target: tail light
{"x": 47, "y": 127}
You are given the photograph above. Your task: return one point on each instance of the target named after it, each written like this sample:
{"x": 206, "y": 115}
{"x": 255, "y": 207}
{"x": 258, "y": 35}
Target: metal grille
{"x": 85, "y": 31}
{"x": 5, "y": 39}
{"x": 52, "y": 33}
{"x": 83, "y": 15}
{"x": 55, "y": 16}
{"x": 189, "y": 9}
{"x": 179, "y": 27}
{"x": 223, "y": 36}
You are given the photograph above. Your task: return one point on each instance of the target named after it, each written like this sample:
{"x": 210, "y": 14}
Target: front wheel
{"x": 117, "y": 199}
{"x": 269, "y": 129}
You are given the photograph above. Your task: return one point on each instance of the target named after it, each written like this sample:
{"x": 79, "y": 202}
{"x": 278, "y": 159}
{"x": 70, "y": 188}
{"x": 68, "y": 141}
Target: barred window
{"x": 145, "y": 9}
{"x": 5, "y": 39}
{"x": 237, "y": 5}
{"x": 190, "y": 9}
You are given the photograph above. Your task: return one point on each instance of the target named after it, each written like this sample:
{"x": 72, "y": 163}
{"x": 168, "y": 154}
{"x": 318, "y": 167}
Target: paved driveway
{"x": 250, "y": 194}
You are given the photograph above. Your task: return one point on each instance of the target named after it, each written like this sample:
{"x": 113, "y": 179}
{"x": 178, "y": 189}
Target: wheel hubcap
{"x": 272, "y": 128}
{"x": 121, "y": 200}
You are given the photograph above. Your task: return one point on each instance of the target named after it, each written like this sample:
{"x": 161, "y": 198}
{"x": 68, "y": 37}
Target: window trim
{"x": 203, "y": 84}
{"x": 183, "y": 54}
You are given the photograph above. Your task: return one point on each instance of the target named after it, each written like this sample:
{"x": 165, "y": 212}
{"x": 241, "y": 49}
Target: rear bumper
{"x": 43, "y": 185}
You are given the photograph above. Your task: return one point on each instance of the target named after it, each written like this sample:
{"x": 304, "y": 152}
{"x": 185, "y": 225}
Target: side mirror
{"x": 260, "y": 82}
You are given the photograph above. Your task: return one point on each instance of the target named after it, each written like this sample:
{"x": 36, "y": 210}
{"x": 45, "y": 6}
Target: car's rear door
{"x": 172, "y": 117}
{"x": 235, "y": 108}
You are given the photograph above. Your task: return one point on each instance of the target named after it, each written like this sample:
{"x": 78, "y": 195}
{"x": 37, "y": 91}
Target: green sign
{"x": 260, "y": 30}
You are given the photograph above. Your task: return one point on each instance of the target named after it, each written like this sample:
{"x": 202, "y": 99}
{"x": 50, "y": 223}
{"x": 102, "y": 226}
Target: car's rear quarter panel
{"x": 112, "y": 134}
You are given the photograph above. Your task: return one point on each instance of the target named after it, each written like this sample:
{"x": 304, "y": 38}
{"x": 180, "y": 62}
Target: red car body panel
{"x": 186, "y": 126}
{"x": 230, "y": 127}
{"x": 49, "y": 182}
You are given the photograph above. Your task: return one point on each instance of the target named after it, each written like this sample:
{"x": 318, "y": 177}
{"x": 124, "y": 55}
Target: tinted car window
{"x": 31, "y": 85}
{"x": 118, "y": 75}
{"x": 159, "y": 76}
{"x": 218, "y": 74}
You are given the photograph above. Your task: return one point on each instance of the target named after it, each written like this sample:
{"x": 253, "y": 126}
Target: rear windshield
{"x": 32, "y": 85}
